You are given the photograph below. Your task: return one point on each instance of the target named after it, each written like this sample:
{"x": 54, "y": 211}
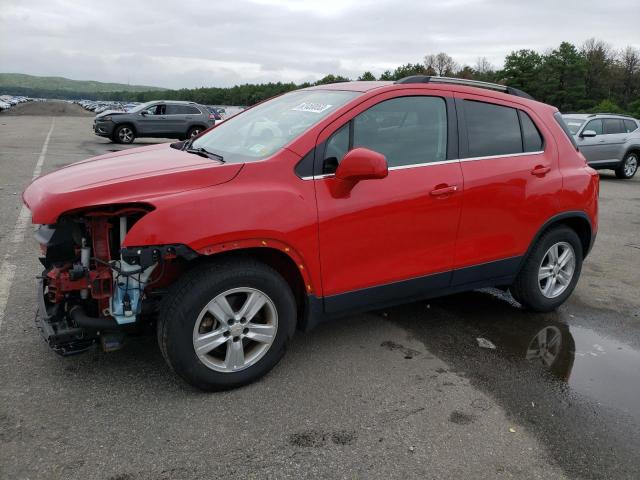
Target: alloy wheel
{"x": 195, "y": 131}
{"x": 235, "y": 329}
{"x": 556, "y": 269}
{"x": 630, "y": 165}
{"x": 125, "y": 134}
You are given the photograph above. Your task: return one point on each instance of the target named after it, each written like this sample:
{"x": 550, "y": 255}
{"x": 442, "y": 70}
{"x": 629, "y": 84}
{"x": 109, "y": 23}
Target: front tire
{"x": 124, "y": 134}
{"x": 629, "y": 166}
{"x": 226, "y": 324}
{"x": 550, "y": 272}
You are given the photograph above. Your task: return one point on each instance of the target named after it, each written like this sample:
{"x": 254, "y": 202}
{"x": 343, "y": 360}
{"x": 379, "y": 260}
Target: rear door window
{"x": 492, "y": 129}
{"x": 613, "y": 125}
{"x": 182, "y": 110}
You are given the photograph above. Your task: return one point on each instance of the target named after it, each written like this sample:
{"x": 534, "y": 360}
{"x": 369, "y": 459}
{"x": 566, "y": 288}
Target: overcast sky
{"x": 184, "y": 43}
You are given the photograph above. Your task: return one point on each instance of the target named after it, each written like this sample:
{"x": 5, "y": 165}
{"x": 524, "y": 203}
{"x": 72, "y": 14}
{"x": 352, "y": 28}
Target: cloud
{"x": 190, "y": 44}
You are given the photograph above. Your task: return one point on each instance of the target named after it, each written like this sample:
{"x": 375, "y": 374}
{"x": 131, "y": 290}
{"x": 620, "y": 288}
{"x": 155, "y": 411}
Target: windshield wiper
{"x": 204, "y": 153}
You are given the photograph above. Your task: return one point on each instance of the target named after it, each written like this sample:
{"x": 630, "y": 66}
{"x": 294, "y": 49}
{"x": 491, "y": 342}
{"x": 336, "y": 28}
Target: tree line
{"x": 592, "y": 77}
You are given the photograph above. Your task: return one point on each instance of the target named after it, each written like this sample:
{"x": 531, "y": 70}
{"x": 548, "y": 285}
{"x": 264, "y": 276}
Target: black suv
{"x": 160, "y": 119}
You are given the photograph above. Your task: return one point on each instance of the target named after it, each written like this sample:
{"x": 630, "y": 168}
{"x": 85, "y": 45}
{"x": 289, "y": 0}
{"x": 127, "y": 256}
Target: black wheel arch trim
{"x": 126, "y": 123}
{"x": 632, "y": 149}
{"x": 558, "y": 219}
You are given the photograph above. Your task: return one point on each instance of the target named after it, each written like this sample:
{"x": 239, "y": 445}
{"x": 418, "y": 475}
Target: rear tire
{"x": 629, "y": 166}
{"x": 222, "y": 308}
{"x": 193, "y": 131}
{"x": 124, "y": 134}
{"x": 545, "y": 282}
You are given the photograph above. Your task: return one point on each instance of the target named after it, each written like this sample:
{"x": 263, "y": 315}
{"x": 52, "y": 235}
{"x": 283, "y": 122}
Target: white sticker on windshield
{"x": 312, "y": 107}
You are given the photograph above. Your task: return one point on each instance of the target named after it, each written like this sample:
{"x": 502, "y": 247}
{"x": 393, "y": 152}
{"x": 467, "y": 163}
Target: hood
{"x": 110, "y": 112}
{"x": 129, "y": 176}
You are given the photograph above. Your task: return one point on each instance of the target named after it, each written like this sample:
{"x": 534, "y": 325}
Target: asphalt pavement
{"x": 452, "y": 388}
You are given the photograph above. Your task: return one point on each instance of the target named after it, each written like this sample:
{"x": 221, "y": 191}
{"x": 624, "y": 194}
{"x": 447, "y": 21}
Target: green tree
{"x": 634, "y": 108}
{"x": 522, "y": 70}
{"x": 407, "y": 70}
{"x": 606, "y": 106}
{"x": 386, "y": 75}
{"x": 332, "y": 79}
{"x": 562, "y": 78}
{"x": 466, "y": 72}
{"x": 367, "y": 76}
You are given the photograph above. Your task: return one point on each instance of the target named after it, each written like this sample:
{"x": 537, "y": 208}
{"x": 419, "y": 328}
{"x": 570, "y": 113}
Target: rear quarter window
{"x": 531, "y": 139}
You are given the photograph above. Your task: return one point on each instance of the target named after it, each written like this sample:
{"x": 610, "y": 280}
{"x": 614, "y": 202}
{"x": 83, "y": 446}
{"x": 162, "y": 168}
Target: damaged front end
{"x": 92, "y": 289}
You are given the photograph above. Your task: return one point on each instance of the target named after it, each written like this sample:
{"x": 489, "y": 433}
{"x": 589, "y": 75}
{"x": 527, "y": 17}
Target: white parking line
{"x": 7, "y": 268}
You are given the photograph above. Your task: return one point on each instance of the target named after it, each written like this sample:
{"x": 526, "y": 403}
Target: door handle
{"x": 540, "y": 170}
{"x": 443, "y": 190}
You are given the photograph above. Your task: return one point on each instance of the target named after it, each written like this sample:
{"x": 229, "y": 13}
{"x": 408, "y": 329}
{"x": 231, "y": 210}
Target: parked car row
{"x": 607, "y": 140}
{"x": 103, "y": 106}
{"x": 8, "y": 101}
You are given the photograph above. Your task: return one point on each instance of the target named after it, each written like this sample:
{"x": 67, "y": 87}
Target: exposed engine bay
{"x": 95, "y": 290}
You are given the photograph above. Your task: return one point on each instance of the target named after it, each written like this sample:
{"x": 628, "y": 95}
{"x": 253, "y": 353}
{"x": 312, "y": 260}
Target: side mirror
{"x": 588, "y": 133}
{"x": 362, "y": 164}
{"x": 144, "y": 113}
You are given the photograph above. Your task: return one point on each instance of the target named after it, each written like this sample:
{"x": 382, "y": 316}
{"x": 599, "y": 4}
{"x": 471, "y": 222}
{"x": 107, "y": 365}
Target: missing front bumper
{"x": 56, "y": 330}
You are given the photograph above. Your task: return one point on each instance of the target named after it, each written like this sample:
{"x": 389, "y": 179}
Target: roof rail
{"x": 463, "y": 81}
{"x": 610, "y": 113}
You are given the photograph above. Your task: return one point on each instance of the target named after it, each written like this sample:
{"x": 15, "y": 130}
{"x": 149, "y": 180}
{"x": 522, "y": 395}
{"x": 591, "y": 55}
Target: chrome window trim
{"x": 506, "y": 155}
{"x": 417, "y": 165}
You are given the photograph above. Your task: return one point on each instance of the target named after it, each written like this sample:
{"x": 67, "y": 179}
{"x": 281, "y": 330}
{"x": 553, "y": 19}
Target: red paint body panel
{"x": 416, "y": 221}
{"x": 388, "y": 229}
{"x": 124, "y": 177}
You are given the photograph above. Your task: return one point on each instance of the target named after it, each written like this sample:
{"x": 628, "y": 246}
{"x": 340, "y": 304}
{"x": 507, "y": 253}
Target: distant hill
{"x": 21, "y": 84}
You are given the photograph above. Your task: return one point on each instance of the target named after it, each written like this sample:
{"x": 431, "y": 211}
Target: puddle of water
{"x": 592, "y": 364}
{"x": 606, "y": 371}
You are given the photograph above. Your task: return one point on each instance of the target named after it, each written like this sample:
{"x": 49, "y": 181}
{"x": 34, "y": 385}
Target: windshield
{"x": 141, "y": 107}
{"x": 573, "y": 124}
{"x": 266, "y": 128}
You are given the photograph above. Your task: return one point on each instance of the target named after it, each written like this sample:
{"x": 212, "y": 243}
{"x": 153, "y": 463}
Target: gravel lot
{"x": 404, "y": 393}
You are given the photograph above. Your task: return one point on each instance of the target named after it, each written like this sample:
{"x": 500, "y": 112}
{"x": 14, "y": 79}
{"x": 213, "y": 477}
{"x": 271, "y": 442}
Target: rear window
{"x": 630, "y": 126}
{"x": 558, "y": 117}
{"x": 492, "y": 129}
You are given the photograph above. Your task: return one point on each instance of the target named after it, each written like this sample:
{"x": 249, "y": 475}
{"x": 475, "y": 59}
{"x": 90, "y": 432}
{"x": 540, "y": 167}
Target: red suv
{"x": 314, "y": 204}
